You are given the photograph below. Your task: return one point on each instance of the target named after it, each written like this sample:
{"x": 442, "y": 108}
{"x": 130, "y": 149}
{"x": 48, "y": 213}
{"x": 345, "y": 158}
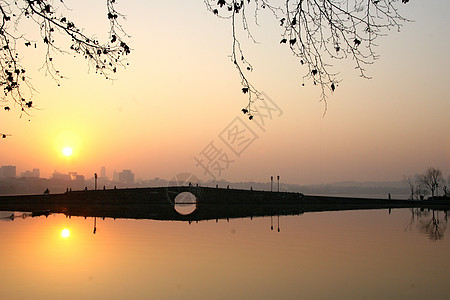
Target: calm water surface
{"x": 330, "y": 255}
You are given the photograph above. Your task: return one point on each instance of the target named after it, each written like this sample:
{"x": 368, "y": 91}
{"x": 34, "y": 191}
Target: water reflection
{"x": 185, "y": 203}
{"x": 432, "y": 223}
{"x": 10, "y": 216}
{"x": 364, "y": 254}
{"x": 271, "y": 223}
{"x": 7, "y": 216}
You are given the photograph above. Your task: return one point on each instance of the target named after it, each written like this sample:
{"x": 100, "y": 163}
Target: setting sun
{"x": 67, "y": 145}
{"x": 67, "y": 151}
{"x": 65, "y": 233}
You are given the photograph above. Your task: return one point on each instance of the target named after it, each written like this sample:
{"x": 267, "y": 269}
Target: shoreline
{"x": 211, "y": 203}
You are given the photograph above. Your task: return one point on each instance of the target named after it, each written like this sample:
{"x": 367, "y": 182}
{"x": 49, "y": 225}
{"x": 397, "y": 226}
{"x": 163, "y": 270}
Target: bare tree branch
{"x": 316, "y": 32}
{"x": 431, "y": 179}
{"x": 55, "y": 30}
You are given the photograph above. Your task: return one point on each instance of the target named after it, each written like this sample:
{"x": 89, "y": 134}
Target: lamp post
{"x": 278, "y": 178}
{"x": 95, "y": 177}
{"x": 271, "y": 182}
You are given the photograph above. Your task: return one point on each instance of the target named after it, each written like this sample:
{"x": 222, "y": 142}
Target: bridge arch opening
{"x": 185, "y": 203}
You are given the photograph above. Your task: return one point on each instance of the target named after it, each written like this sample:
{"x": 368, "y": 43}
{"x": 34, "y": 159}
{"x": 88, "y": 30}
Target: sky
{"x": 180, "y": 98}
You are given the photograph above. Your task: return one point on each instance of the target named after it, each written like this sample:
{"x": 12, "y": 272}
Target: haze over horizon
{"x": 180, "y": 98}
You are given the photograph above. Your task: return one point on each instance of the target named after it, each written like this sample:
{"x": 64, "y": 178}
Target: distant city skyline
{"x": 10, "y": 171}
{"x": 127, "y": 176}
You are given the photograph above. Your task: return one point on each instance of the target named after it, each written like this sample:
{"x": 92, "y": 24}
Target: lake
{"x": 366, "y": 254}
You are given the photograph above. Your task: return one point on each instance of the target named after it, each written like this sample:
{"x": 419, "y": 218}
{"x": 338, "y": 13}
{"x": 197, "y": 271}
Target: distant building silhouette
{"x": 126, "y": 177}
{"x": 60, "y": 176}
{"x": 7, "y": 171}
{"x": 103, "y": 179}
{"x": 78, "y": 180}
{"x": 31, "y": 174}
{"x": 103, "y": 172}
{"x": 71, "y": 180}
{"x": 116, "y": 176}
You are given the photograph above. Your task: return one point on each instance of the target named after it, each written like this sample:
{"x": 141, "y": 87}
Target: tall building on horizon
{"x": 7, "y": 171}
{"x": 103, "y": 172}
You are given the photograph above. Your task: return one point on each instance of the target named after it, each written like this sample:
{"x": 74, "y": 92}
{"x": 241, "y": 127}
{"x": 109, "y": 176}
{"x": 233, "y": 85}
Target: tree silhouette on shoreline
{"x": 431, "y": 179}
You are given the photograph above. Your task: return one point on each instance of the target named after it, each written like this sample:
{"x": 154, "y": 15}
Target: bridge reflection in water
{"x": 188, "y": 203}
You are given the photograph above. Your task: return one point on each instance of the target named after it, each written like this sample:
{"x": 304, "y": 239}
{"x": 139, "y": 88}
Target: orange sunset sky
{"x": 181, "y": 91}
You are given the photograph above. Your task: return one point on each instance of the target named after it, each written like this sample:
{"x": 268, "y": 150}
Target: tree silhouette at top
{"x": 315, "y": 31}
{"x": 56, "y": 30}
